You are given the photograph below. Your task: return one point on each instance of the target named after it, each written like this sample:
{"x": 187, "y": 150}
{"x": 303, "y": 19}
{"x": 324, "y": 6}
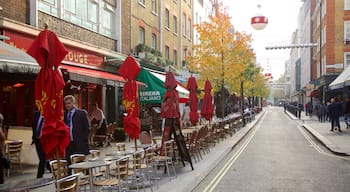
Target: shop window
{"x": 142, "y": 35}
{"x": 154, "y": 41}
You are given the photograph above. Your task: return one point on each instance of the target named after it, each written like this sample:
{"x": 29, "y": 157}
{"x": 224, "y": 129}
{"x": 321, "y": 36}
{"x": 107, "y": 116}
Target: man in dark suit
{"x": 79, "y": 127}
{"x": 334, "y": 112}
{"x": 37, "y": 128}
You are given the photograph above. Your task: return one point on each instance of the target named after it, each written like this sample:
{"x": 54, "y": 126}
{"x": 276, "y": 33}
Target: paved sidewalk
{"x": 337, "y": 142}
{"x": 189, "y": 179}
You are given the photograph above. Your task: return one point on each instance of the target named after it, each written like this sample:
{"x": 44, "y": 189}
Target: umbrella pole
{"x": 58, "y": 163}
{"x": 135, "y": 144}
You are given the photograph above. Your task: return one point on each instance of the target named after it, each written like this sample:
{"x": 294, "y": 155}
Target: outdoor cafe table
{"x": 90, "y": 165}
{"x": 25, "y": 185}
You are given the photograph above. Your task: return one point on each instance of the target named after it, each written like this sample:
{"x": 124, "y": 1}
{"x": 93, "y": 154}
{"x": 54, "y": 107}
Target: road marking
{"x": 212, "y": 185}
{"x": 317, "y": 147}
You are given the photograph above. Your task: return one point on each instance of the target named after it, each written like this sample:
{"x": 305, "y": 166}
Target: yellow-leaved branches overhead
{"x": 222, "y": 54}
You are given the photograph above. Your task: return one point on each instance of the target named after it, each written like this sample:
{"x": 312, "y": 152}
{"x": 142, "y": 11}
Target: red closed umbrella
{"x": 207, "y": 110}
{"x": 49, "y": 52}
{"x": 171, "y": 113}
{"x": 192, "y": 87}
{"x": 129, "y": 70}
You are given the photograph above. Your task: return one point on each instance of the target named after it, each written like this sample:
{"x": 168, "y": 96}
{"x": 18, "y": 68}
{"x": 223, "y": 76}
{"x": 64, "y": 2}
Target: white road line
{"x": 212, "y": 185}
{"x": 317, "y": 147}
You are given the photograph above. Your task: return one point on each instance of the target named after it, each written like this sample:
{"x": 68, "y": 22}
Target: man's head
{"x": 69, "y": 102}
{"x": 94, "y": 106}
{"x": 332, "y": 100}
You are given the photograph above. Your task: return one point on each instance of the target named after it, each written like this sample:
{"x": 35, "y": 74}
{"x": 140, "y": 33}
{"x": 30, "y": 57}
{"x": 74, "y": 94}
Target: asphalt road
{"x": 279, "y": 156}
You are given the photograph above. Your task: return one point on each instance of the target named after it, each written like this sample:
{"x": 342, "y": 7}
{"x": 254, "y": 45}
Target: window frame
{"x": 154, "y": 41}
{"x": 167, "y": 52}
{"x": 175, "y": 27}
{"x": 345, "y": 59}
{"x": 154, "y": 9}
{"x": 142, "y": 36}
{"x": 167, "y": 18}
{"x": 142, "y": 3}
{"x": 347, "y": 30}
{"x": 175, "y": 57}
{"x": 346, "y": 4}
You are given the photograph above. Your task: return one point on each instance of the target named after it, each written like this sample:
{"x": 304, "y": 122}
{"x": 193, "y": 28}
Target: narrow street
{"x": 279, "y": 155}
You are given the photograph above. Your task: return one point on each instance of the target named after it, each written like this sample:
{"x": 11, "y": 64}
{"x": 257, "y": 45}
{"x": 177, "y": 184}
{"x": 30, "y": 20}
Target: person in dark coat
{"x": 2, "y": 156}
{"x": 334, "y": 113}
{"x": 347, "y": 112}
{"x": 37, "y": 128}
{"x": 79, "y": 127}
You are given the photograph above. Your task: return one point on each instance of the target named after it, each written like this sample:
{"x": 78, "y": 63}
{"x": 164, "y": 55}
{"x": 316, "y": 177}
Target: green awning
{"x": 154, "y": 91}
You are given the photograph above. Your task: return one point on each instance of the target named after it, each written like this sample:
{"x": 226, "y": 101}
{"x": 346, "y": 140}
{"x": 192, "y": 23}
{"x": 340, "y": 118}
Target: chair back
{"x": 169, "y": 148}
{"x": 14, "y": 150}
{"x": 68, "y": 184}
{"x": 95, "y": 153}
{"x": 145, "y": 138}
{"x": 149, "y": 152}
{"x": 78, "y": 158}
{"x": 59, "y": 168}
{"x": 122, "y": 167}
{"x": 120, "y": 146}
{"x": 137, "y": 159}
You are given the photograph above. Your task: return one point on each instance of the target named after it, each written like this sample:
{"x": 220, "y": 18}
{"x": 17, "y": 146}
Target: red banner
{"x": 75, "y": 55}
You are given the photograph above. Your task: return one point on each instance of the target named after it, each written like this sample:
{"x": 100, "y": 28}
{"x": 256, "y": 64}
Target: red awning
{"x": 93, "y": 73}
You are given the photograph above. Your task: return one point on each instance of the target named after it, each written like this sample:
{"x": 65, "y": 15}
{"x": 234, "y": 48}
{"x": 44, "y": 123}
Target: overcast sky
{"x": 282, "y": 15}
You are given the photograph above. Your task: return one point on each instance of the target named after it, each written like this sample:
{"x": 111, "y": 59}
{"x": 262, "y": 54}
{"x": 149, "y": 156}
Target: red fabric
{"x": 192, "y": 87}
{"x": 170, "y": 104}
{"x": 129, "y": 70}
{"x": 49, "y": 52}
{"x": 207, "y": 110}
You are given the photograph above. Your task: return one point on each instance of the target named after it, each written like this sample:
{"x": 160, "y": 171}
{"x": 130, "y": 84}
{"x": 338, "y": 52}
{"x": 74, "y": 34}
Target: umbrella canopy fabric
{"x": 129, "y": 70}
{"x": 154, "y": 91}
{"x": 170, "y": 105}
{"x": 49, "y": 52}
{"x": 192, "y": 87}
{"x": 207, "y": 110}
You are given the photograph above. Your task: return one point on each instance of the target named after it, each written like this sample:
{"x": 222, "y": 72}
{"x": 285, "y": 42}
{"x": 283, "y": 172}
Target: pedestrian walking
{"x": 4, "y": 163}
{"x": 334, "y": 113}
{"x": 347, "y": 112}
{"x": 300, "y": 107}
{"x": 37, "y": 129}
{"x": 185, "y": 118}
{"x": 306, "y": 108}
{"x": 79, "y": 127}
{"x": 310, "y": 109}
{"x": 319, "y": 111}
{"x": 97, "y": 119}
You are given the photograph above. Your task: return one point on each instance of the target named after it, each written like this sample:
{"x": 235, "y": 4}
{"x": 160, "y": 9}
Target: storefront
{"x": 83, "y": 70}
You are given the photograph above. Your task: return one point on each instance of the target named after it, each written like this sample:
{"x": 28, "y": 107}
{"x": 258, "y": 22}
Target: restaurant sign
{"x": 75, "y": 55}
{"x": 150, "y": 96}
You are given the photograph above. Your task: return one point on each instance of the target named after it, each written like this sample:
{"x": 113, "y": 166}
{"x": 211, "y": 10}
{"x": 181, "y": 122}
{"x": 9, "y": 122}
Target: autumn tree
{"x": 223, "y": 54}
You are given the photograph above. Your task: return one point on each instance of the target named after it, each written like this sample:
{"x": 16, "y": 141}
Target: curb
{"x": 324, "y": 141}
{"x": 293, "y": 117}
{"x": 236, "y": 139}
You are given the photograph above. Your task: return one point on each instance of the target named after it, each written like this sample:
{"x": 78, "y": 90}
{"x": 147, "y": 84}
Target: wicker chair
{"x": 166, "y": 159}
{"x": 68, "y": 184}
{"x": 13, "y": 152}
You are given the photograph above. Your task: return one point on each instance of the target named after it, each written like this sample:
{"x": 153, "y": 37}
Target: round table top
{"x": 89, "y": 164}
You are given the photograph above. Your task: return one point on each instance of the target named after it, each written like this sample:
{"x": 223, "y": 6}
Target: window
{"x": 142, "y": 2}
{"x": 142, "y": 35}
{"x": 346, "y": 59}
{"x": 97, "y": 16}
{"x": 48, "y": 6}
{"x": 347, "y": 30}
{"x": 154, "y": 6}
{"x": 175, "y": 57}
{"x": 189, "y": 29}
{"x": 167, "y": 52}
{"x": 154, "y": 41}
{"x": 346, "y": 4}
{"x": 167, "y": 19}
{"x": 184, "y": 25}
{"x": 175, "y": 24}
{"x": 69, "y": 5}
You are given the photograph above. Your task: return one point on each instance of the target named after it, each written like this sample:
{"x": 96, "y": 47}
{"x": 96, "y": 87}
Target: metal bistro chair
{"x": 95, "y": 154}
{"x": 13, "y": 152}
{"x": 84, "y": 178}
{"x": 121, "y": 172}
{"x": 166, "y": 159}
{"x": 68, "y": 184}
{"x": 59, "y": 170}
